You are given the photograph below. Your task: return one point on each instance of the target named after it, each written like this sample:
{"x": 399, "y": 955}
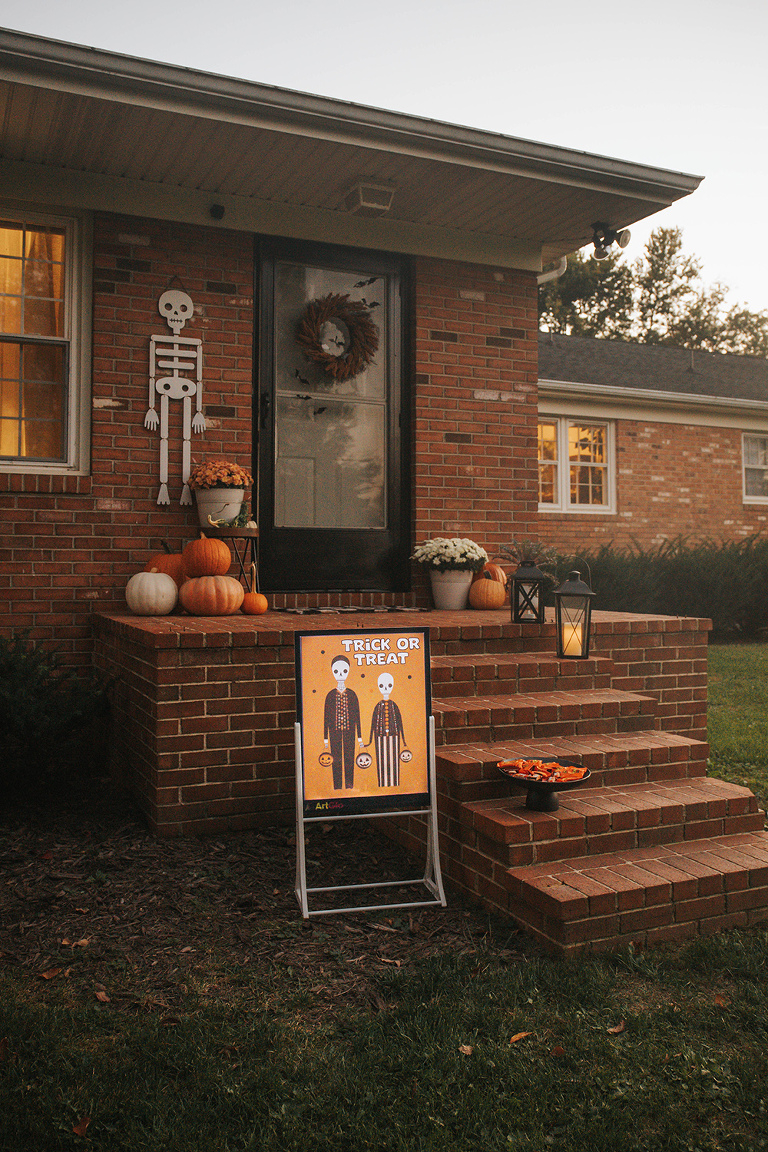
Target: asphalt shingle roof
{"x": 618, "y": 364}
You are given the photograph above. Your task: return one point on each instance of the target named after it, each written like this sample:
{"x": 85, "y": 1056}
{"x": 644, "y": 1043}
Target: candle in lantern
{"x": 573, "y": 638}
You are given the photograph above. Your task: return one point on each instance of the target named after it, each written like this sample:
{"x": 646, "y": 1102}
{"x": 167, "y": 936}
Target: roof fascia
{"x": 94, "y": 72}
{"x": 649, "y": 397}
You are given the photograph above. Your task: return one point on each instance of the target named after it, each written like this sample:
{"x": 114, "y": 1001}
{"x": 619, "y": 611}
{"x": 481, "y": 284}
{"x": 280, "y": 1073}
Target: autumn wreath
{"x": 349, "y": 318}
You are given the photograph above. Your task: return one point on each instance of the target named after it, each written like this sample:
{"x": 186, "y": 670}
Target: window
{"x": 41, "y": 345}
{"x": 755, "y": 458}
{"x": 575, "y": 465}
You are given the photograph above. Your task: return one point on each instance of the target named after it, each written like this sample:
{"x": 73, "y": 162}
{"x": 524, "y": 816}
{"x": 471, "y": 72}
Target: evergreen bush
{"x": 724, "y": 581}
{"x": 48, "y": 716}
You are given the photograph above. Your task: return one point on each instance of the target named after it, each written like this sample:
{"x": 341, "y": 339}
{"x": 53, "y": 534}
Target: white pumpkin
{"x": 151, "y": 593}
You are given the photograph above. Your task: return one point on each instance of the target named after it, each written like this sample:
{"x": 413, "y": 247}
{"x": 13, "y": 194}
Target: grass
{"x": 738, "y": 715}
{"x": 486, "y": 1046}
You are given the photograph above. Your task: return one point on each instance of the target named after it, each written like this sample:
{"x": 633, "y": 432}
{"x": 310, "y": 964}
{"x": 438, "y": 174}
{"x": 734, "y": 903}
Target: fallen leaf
{"x": 384, "y": 960}
{"x": 82, "y": 943}
{"x": 188, "y": 948}
{"x": 81, "y": 1127}
{"x": 721, "y": 1001}
{"x": 102, "y": 996}
{"x": 48, "y": 855}
{"x": 617, "y": 1028}
{"x": 66, "y": 943}
{"x": 466, "y": 1049}
{"x": 83, "y": 910}
{"x": 520, "y": 1036}
{"x": 50, "y": 973}
{"x": 558, "y": 1050}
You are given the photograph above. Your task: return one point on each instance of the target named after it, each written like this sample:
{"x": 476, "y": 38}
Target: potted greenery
{"x": 451, "y": 564}
{"x": 219, "y": 488}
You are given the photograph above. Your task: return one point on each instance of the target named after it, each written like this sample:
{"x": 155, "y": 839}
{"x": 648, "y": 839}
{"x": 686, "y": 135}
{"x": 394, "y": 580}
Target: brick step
{"x": 615, "y": 758}
{"x": 514, "y": 673}
{"x": 590, "y": 821}
{"x": 669, "y": 892}
{"x": 541, "y": 715}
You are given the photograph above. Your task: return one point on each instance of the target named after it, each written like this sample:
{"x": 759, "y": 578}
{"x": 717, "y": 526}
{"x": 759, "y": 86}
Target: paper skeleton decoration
{"x": 177, "y": 354}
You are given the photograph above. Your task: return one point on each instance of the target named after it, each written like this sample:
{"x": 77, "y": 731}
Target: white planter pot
{"x": 450, "y": 589}
{"x": 218, "y": 503}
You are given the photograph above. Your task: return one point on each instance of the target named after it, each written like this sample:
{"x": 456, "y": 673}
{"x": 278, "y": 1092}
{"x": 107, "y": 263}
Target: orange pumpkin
{"x": 494, "y": 571}
{"x": 254, "y": 604}
{"x": 211, "y": 595}
{"x": 207, "y": 556}
{"x": 487, "y": 593}
{"x": 172, "y": 563}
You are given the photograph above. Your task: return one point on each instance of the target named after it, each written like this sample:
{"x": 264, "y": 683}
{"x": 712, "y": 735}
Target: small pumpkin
{"x": 211, "y": 595}
{"x": 207, "y": 556}
{"x": 325, "y": 759}
{"x": 363, "y": 760}
{"x": 151, "y": 593}
{"x": 487, "y": 593}
{"x": 254, "y": 603}
{"x": 166, "y": 561}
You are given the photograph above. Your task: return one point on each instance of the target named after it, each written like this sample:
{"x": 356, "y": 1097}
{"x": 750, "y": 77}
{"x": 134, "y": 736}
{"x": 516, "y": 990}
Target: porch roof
{"x": 92, "y": 128}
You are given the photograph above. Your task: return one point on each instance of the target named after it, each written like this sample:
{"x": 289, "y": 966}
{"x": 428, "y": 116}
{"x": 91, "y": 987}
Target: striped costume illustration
{"x": 387, "y": 730}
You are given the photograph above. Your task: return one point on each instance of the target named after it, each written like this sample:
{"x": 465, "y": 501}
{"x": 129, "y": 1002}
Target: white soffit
{"x": 157, "y": 127}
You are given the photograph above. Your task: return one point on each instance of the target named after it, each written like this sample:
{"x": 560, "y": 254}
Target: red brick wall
{"x": 672, "y": 480}
{"x": 72, "y": 543}
{"x": 475, "y": 403}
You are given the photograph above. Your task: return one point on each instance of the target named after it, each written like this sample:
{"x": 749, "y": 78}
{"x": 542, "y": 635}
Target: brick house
{"x": 123, "y": 180}
{"x": 670, "y": 442}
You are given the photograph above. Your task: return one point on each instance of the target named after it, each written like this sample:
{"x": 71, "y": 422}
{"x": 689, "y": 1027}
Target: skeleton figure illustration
{"x": 387, "y": 730}
{"x": 178, "y": 354}
{"x": 341, "y": 724}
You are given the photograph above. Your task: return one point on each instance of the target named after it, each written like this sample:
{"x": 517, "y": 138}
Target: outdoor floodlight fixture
{"x": 573, "y": 617}
{"x": 603, "y": 236}
{"x": 527, "y": 599}
{"x": 367, "y": 198}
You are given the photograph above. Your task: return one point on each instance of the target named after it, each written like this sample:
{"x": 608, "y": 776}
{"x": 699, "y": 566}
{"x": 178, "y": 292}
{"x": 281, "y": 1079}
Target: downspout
{"x": 554, "y": 273}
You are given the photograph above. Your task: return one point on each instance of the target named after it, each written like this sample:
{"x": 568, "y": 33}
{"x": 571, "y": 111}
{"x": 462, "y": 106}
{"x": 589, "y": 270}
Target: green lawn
{"x": 344, "y": 1034}
{"x": 738, "y": 715}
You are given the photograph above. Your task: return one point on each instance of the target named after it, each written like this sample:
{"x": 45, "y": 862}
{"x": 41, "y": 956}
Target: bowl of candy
{"x": 543, "y": 777}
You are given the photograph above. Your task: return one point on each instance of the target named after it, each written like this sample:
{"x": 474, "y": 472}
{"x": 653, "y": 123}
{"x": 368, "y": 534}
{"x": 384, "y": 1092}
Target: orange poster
{"x": 363, "y": 703}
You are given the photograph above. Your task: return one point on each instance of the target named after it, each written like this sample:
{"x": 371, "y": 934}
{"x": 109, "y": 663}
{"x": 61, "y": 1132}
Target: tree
{"x": 658, "y": 299}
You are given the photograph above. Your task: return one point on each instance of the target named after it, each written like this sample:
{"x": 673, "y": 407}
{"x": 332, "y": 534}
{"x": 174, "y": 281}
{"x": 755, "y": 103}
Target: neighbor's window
{"x": 755, "y": 457}
{"x": 38, "y": 411}
{"x": 574, "y": 465}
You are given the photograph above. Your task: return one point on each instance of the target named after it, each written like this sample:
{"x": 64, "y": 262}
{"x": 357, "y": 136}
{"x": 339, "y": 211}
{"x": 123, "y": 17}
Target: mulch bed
{"x": 90, "y": 899}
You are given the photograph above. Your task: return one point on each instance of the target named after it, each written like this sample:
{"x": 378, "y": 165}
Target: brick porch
{"x": 649, "y": 849}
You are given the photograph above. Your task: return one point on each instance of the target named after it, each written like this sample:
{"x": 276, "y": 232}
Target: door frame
{"x": 291, "y": 559}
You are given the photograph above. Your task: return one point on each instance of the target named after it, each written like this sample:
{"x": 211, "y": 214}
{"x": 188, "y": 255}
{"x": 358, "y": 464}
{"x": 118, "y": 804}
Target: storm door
{"x": 332, "y": 500}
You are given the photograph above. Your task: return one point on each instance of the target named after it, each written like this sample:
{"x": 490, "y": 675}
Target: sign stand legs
{"x": 432, "y": 878}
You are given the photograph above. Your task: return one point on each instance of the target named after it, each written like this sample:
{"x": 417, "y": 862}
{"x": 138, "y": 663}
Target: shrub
{"x": 48, "y": 714}
{"x": 724, "y": 581}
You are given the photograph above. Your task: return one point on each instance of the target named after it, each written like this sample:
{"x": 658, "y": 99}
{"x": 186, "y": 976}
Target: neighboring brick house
{"x": 644, "y": 443}
{"x": 122, "y": 179}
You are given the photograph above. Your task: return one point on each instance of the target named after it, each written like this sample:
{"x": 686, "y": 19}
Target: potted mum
{"x": 219, "y": 488}
{"x": 451, "y": 564}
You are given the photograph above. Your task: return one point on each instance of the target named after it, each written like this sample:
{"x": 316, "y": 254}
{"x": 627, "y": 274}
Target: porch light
{"x": 366, "y": 198}
{"x": 573, "y": 616}
{"x": 527, "y": 599}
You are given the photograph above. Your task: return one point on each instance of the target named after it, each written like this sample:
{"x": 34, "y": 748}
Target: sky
{"x": 676, "y": 84}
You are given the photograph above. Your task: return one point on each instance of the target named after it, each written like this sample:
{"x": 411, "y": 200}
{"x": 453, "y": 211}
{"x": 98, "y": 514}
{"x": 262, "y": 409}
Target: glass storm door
{"x": 331, "y": 473}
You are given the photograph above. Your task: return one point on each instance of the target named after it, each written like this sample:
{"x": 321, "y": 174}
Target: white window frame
{"x": 745, "y": 436}
{"x": 563, "y": 502}
{"x": 77, "y": 335}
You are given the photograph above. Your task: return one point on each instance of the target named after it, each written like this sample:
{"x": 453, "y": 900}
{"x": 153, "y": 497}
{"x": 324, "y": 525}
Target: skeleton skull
{"x": 386, "y": 684}
{"x": 176, "y": 307}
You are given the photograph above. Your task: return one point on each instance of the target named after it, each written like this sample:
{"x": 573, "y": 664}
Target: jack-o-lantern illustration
{"x": 406, "y": 756}
{"x": 325, "y": 759}
{"x": 363, "y": 760}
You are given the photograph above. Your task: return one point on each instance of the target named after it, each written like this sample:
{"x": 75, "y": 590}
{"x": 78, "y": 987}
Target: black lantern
{"x": 573, "y": 614}
{"x": 527, "y": 599}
